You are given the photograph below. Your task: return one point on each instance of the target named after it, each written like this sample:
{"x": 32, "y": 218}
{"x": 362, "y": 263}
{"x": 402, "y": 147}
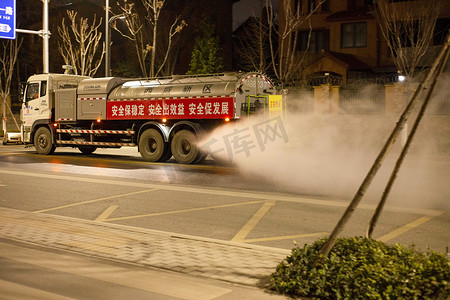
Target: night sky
{"x": 247, "y": 8}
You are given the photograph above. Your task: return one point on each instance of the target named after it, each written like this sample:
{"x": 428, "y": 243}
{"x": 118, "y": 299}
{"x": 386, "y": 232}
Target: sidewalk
{"x": 209, "y": 258}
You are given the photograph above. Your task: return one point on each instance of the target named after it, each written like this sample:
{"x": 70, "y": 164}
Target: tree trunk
{"x": 326, "y": 248}
{"x": 405, "y": 149}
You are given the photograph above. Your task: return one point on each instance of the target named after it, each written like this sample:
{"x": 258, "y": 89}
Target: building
{"x": 346, "y": 43}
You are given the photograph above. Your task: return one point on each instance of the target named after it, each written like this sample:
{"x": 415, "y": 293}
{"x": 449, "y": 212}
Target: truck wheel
{"x": 151, "y": 145}
{"x": 201, "y": 157}
{"x": 86, "y": 150}
{"x": 184, "y": 147}
{"x": 43, "y": 141}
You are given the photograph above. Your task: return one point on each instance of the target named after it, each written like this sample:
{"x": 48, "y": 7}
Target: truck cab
{"x": 38, "y": 101}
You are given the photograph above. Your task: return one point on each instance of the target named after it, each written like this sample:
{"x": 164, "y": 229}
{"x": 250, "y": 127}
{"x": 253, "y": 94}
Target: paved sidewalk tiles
{"x": 223, "y": 260}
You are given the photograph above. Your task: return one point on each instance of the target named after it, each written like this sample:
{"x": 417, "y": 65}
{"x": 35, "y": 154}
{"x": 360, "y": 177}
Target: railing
{"x": 362, "y": 101}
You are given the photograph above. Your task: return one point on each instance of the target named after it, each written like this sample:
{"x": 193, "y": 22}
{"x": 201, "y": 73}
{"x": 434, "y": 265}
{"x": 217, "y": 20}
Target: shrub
{"x": 361, "y": 268}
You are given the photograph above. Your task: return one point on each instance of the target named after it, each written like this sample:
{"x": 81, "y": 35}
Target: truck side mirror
{"x": 22, "y": 86}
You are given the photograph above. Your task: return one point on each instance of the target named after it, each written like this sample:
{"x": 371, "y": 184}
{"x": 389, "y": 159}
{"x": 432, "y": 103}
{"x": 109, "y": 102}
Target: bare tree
{"x": 8, "y": 58}
{"x": 145, "y": 34}
{"x": 80, "y": 44}
{"x": 287, "y": 60}
{"x": 134, "y": 32}
{"x": 408, "y": 29}
{"x": 252, "y": 45}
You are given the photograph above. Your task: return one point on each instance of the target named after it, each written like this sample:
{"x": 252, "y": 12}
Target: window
{"x": 298, "y": 4}
{"x": 440, "y": 31}
{"x": 353, "y": 35}
{"x": 32, "y": 91}
{"x": 319, "y": 41}
{"x": 312, "y": 5}
{"x": 43, "y": 88}
{"x": 326, "y": 5}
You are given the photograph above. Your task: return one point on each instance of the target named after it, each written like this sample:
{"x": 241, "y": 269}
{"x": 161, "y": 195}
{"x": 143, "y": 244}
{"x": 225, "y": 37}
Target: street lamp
{"x": 108, "y": 42}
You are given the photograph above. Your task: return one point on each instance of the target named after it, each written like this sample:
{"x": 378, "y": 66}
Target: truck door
{"x": 35, "y": 106}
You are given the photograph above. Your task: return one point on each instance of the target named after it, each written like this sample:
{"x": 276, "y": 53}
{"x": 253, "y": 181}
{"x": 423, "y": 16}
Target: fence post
{"x": 395, "y": 95}
{"x": 326, "y": 99}
{"x": 334, "y": 103}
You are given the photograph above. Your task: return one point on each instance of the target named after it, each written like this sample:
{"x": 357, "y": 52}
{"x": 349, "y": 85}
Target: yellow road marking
{"x": 93, "y": 200}
{"x": 240, "y": 236}
{"x": 122, "y": 159}
{"x": 106, "y": 213}
{"x": 405, "y": 228}
{"x": 181, "y": 211}
{"x": 227, "y": 193}
{"x": 286, "y": 237}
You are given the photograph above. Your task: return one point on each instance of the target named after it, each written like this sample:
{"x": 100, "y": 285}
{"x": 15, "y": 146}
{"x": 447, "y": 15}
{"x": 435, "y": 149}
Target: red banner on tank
{"x": 184, "y": 108}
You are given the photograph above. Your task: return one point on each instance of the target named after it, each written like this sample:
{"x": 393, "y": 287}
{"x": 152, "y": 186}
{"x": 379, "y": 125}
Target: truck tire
{"x": 184, "y": 147}
{"x": 86, "y": 150}
{"x": 151, "y": 145}
{"x": 43, "y": 141}
{"x": 201, "y": 157}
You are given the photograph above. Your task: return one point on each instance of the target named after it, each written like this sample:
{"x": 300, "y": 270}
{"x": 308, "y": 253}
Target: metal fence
{"x": 439, "y": 106}
{"x": 300, "y": 101}
{"x": 369, "y": 100}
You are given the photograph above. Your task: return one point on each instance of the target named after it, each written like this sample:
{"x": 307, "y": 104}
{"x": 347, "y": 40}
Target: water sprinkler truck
{"x": 163, "y": 117}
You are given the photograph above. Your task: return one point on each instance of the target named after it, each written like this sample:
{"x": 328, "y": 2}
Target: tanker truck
{"x": 163, "y": 117}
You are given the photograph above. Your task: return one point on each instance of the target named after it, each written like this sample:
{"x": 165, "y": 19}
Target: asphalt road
{"x": 207, "y": 200}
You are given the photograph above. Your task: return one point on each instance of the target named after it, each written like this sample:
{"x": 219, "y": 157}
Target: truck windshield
{"x": 32, "y": 91}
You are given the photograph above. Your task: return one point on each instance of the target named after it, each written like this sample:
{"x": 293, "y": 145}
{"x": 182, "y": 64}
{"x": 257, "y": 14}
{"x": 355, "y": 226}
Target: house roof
{"x": 356, "y": 14}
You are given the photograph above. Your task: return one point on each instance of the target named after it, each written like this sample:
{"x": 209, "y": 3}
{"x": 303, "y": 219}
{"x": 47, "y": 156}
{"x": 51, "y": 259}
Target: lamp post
{"x": 107, "y": 38}
{"x": 108, "y": 42}
{"x": 45, "y": 34}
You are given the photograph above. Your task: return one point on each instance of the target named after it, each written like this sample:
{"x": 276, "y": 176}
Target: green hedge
{"x": 360, "y": 268}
